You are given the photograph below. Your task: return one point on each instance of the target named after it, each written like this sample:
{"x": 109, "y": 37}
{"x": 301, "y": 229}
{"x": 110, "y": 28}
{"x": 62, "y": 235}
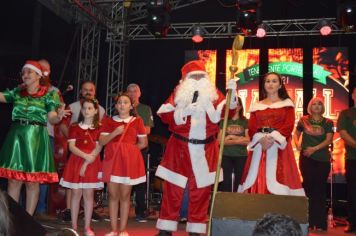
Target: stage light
{"x": 197, "y": 32}
{"x": 325, "y": 27}
{"x": 248, "y": 16}
{"x": 158, "y": 17}
{"x": 346, "y": 15}
{"x": 261, "y": 31}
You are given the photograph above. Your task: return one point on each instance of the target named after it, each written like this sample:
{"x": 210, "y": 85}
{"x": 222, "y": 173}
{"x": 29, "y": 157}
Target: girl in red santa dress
{"x": 124, "y": 136}
{"x": 271, "y": 167}
{"x": 82, "y": 173}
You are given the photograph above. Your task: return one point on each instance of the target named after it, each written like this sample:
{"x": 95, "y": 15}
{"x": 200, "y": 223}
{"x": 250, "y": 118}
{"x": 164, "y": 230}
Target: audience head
{"x": 277, "y": 225}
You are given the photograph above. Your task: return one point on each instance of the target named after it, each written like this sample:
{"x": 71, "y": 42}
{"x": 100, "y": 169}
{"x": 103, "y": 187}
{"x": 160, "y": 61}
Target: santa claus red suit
{"x": 192, "y": 112}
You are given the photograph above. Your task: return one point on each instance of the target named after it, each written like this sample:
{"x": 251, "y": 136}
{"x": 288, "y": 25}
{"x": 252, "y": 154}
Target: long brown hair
{"x": 241, "y": 110}
{"x": 282, "y": 92}
{"x": 96, "y": 122}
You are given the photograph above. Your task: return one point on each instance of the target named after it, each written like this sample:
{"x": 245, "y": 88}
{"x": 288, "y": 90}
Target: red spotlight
{"x": 325, "y": 28}
{"x": 261, "y": 31}
{"x": 197, "y": 34}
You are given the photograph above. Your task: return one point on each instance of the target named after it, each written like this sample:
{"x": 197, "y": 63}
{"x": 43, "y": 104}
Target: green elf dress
{"x": 26, "y": 154}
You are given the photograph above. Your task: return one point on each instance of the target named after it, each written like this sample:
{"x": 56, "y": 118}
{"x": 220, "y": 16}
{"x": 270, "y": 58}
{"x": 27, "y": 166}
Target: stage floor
{"x": 134, "y": 228}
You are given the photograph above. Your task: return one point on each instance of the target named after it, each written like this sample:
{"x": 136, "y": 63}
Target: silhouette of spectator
{"x": 277, "y": 225}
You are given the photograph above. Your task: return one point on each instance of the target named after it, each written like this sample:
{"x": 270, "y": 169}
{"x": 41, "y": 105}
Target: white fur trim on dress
{"x": 196, "y": 228}
{"x": 171, "y": 176}
{"x": 169, "y": 225}
{"x": 271, "y": 166}
{"x": 259, "y": 106}
{"x": 81, "y": 185}
{"x": 165, "y": 108}
{"x": 127, "y": 180}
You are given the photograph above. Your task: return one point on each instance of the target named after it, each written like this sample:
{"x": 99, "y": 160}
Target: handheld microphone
{"x": 195, "y": 96}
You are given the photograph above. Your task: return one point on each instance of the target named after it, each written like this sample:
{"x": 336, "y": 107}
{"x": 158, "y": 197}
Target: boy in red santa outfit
{"x": 193, "y": 112}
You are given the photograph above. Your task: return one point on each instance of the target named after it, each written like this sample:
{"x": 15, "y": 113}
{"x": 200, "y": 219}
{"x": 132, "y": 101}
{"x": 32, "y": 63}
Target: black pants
{"x": 140, "y": 190}
{"x": 232, "y": 164}
{"x": 351, "y": 190}
{"x": 315, "y": 174}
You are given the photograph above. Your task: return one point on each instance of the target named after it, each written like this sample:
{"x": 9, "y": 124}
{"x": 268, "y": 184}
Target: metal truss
{"x": 275, "y": 28}
{"x": 88, "y": 54}
{"x": 117, "y": 56}
{"x": 138, "y": 10}
{"x": 116, "y": 73}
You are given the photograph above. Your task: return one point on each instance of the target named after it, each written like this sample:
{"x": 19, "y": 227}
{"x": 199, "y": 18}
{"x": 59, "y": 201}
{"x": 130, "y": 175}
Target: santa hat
{"x": 46, "y": 72}
{"x": 33, "y": 65}
{"x": 193, "y": 67}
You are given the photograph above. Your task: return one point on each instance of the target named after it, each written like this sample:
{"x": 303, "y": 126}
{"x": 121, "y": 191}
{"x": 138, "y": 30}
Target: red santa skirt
{"x": 71, "y": 176}
{"x": 123, "y": 163}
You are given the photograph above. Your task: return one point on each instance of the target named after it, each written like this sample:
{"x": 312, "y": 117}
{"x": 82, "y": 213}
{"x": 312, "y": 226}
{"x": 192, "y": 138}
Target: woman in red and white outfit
{"x": 82, "y": 173}
{"x": 271, "y": 167}
{"x": 124, "y": 136}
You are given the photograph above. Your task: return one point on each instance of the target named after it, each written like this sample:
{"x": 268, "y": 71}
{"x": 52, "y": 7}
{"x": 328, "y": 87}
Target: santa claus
{"x": 192, "y": 112}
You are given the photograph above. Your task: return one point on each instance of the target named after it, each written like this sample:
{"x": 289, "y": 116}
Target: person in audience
{"x": 277, "y": 225}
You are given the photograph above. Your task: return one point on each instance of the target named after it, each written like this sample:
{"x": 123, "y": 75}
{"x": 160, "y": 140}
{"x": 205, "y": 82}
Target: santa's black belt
{"x": 265, "y": 130}
{"x": 29, "y": 122}
{"x": 193, "y": 140}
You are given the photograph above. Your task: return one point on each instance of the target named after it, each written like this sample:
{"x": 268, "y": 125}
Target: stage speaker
{"x": 22, "y": 223}
{"x": 237, "y": 213}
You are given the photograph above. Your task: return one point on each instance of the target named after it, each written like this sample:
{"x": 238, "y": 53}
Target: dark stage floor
{"x": 143, "y": 229}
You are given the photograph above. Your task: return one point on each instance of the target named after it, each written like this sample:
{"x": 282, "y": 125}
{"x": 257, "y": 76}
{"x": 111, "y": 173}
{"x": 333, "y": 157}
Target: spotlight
{"x": 325, "y": 27}
{"x": 261, "y": 31}
{"x": 158, "y": 18}
{"x": 248, "y": 16}
{"x": 197, "y": 32}
{"x": 346, "y": 15}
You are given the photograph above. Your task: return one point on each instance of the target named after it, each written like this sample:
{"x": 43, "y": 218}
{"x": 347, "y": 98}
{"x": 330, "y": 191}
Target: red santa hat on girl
{"x": 33, "y": 65}
{"x": 193, "y": 67}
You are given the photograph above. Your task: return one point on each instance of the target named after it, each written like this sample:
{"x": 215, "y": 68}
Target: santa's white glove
{"x": 231, "y": 84}
{"x": 190, "y": 109}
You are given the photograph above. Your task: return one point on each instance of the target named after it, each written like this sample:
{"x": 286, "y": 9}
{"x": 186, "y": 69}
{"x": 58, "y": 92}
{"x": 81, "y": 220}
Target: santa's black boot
{"x": 193, "y": 234}
{"x": 164, "y": 233}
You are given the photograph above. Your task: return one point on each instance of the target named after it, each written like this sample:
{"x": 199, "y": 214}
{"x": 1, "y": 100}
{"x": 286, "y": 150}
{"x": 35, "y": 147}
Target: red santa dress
{"x": 85, "y": 139}
{"x": 273, "y": 171}
{"x": 190, "y": 160}
{"x": 123, "y": 162}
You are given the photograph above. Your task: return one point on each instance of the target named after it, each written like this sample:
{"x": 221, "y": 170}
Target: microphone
{"x": 195, "y": 96}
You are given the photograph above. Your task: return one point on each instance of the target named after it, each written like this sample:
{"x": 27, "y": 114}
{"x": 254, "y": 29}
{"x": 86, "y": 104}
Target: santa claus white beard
{"x": 185, "y": 92}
